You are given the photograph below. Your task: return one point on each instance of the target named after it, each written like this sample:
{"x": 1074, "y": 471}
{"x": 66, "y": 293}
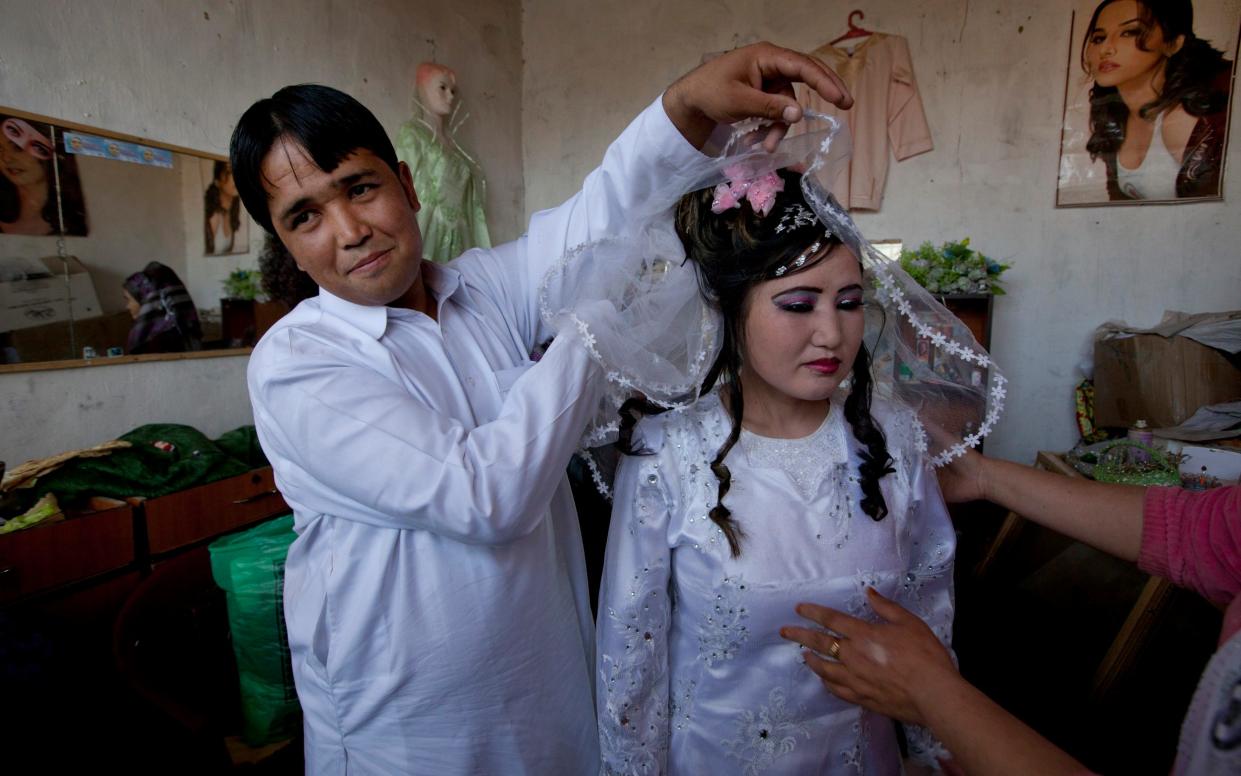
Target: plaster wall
{"x": 992, "y": 77}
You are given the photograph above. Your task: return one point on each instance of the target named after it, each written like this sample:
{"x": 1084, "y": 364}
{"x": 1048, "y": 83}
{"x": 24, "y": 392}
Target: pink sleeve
{"x": 1194, "y": 539}
{"x": 908, "y": 132}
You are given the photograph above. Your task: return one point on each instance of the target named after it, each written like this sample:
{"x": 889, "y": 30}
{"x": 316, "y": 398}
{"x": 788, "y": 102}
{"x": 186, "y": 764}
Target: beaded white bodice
{"x": 692, "y": 674}
{"x": 806, "y": 459}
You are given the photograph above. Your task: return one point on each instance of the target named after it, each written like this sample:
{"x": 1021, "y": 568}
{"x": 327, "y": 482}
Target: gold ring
{"x": 834, "y": 650}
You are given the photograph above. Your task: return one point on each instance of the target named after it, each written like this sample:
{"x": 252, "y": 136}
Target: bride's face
{"x": 802, "y": 331}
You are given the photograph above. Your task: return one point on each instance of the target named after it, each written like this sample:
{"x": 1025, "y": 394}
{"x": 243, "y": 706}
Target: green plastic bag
{"x": 249, "y": 566}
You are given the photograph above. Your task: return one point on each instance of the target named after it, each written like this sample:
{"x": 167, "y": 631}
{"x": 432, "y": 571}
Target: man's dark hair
{"x": 328, "y": 123}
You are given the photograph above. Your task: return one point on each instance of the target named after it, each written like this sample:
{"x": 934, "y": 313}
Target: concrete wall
{"x": 992, "y": 76}
{"x": 182, "y": 72}
{"x": 66, "y": 409}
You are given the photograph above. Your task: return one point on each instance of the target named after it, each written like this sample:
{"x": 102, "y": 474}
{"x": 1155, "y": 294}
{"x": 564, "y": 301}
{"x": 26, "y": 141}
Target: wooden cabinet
{"x": 63, "y": 590}
{"x": 84, "y": 546}
{"x": 199, "y": 514}
{"x": 974, "y": 310}
{"x": 78, "y": 548}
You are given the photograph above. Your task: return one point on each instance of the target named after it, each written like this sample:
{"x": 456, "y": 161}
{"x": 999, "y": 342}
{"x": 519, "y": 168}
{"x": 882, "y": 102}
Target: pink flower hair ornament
{"x": 760, "y": 191}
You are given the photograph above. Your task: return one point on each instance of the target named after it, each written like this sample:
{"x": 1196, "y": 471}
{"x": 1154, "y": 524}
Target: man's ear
{"x": 407, "y": 183}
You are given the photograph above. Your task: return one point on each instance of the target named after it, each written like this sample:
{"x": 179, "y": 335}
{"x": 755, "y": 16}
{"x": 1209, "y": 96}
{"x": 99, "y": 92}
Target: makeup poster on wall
{"x": 1147, "y": 101}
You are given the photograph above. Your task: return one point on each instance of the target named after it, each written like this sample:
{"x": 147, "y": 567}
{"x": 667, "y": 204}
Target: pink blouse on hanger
{"x": 887, "y": 111}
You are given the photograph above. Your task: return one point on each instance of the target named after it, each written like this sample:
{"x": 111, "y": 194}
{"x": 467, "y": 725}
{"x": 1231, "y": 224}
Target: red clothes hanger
{"x": 854, "y": 31}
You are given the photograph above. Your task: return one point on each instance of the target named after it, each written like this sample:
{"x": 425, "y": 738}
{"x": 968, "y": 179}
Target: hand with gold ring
{"x": 834, "y": 650}
{"x": 894, "y": 667}
{"x": 898, "y": 668}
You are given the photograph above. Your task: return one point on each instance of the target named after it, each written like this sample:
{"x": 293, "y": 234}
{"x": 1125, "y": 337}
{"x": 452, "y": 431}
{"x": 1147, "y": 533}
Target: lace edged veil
{"x": 638, "y": 306}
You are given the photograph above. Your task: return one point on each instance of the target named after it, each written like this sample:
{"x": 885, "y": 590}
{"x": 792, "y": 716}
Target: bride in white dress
{"x": 785, "y": 483}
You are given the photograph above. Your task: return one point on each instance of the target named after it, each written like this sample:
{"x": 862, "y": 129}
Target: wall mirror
{"x": 115, "y": 248}
{"x": 891, "y": 249}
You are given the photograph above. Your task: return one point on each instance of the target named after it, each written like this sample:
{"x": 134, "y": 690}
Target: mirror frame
{"x": 80, "y": 363}
{"x": 85, "y": 363}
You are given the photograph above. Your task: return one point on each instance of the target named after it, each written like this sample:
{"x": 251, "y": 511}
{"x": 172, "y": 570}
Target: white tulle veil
{"x": 645, "y": 318}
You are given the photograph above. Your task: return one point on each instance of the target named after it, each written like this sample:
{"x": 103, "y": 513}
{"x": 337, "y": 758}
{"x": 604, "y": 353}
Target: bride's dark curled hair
{"x": 734, "y": 251}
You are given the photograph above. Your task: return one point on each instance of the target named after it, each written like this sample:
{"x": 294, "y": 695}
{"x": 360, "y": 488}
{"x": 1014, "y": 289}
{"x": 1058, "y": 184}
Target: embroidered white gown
{"x": 693, "y": 677}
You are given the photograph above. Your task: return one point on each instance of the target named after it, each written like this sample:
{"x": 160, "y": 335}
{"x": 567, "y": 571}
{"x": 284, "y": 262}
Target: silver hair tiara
{"x": 800, "y": 261}
{"x": 794, "y": 217}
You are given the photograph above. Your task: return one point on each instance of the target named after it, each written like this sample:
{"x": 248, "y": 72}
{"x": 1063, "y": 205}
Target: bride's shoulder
{"x": 703, "y": 420}
{"x": 902, "y": 430}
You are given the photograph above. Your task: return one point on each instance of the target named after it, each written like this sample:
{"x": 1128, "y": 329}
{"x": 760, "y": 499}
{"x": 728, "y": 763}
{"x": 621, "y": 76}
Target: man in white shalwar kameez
{"x": 436, "y": 596}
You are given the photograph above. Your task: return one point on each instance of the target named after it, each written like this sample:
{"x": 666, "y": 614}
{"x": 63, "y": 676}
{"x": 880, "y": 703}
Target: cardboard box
{"x": 1162, "y": 380}
{"x": 53, "y": 342}
{"x": 1223, "y": 463}
{"x": 40, "y": 300}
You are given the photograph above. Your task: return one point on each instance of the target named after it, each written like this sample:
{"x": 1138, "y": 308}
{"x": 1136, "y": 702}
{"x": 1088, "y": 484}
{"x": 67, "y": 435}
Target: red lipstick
{"x": 824, "y": 366}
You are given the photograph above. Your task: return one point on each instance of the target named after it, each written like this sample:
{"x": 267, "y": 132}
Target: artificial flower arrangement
{"x": 953, "y": 268}
{"x": 243, "y": 284}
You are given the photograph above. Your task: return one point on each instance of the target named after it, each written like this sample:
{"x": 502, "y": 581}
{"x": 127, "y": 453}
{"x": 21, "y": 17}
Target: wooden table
{"x": 1150, "y": 604}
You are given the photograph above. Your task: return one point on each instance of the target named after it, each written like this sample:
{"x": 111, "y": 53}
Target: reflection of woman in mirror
{"x": 165, "y": 319}
{"x": 449, "y": 183}
{"x": 222, "y": 210}
{"x": 1159, "y": 106}
{"x": 27, "y": 178}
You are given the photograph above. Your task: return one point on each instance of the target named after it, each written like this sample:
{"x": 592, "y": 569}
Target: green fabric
{"x": 450, "y": 189}
{"x": 144, "y": 469}
{"x": 249, "y": 566}
{"x": 243, "y": 444}
{"x": 45, "y": 509}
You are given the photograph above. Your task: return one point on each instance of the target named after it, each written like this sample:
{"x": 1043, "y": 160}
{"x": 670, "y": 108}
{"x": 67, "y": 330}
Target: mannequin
{"x": 437, "y": 92}
{"x": 449, "y": 183}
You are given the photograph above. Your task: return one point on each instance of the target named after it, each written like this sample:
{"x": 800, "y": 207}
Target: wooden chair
{"x": 1146, "y": 611}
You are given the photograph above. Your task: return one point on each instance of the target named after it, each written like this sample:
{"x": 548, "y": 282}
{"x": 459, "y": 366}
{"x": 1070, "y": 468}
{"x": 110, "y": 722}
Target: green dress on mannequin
{"x": 449, "y": 183}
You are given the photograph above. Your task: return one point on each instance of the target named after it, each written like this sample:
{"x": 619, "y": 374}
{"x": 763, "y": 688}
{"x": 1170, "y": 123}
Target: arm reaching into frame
{"x": 1102, "y": 515}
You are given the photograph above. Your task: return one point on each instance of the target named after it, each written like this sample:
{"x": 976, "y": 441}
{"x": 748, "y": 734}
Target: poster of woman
{"x": 225, "y": 225}
{"x": 1147, "y": 101}
{"x": 30, "y": 163}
